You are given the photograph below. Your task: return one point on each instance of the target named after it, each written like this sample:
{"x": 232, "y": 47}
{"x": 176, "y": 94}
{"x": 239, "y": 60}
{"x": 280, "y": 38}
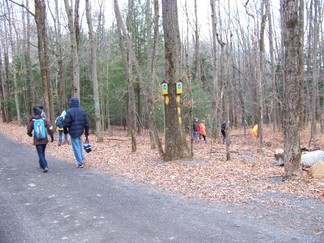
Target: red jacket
{"x": 201, "y": 129}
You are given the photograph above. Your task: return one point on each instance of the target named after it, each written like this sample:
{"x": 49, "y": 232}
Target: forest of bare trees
{"x": 244, "y": 62}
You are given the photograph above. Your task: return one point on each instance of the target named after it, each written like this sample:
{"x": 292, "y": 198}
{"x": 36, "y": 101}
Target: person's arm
{"x": 49, "y": 129}
{"x": 30, "y": 128}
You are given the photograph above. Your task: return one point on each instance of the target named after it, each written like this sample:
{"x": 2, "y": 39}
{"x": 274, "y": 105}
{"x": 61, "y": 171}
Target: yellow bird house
{"x": 164, "y": 86}
{"x": 179, "y": 87}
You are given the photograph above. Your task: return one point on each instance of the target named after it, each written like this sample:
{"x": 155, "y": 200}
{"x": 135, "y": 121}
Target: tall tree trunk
{"x": 314, "y": 21}
{"x": 261, "y": 73}
{"x": 42, "y": 52}
{"x": 127, "y": 56}
{"x": 76, "y": 23}
{"x": 149, "y": 74}
{"x": 151, "y": 59}
{"x": 129, "y": 71}
{"x": 228, "y": 90}
{"x": 293, "y": 35}
{"x": 272, "y": 63}
{"x": 14, "y": 49}
{"x": 176, "y": 146}
{"x": 258, "y": 69}
{"x": 75, "y": 68}
{"x": 93, "y": 50}
{"x": 61, "y": 95}
{"x": 197, "y": 46}
{"x": 6, "y": 85}
{"x": 2, "y": 101}
{"x": 214, "y": 85}
{"x": 29, "y": 62}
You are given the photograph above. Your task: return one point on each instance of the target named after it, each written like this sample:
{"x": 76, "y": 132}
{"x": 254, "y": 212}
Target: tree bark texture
{"x": 176, "y": 146}
{"x": 61, "y": 84}
{"x": 292, "y": 85}
{"x": 42, "y": 52}
{"x": 75, "y": 68}
{"x": 94, "y": 77}
{"x": 29, "y": 63}
{"x": 152, "y": 59}
{"x": 14, "y": 53}
{"x": 127, "y": 56}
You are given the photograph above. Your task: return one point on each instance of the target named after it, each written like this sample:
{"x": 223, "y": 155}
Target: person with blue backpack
{"x": 40, "y": 127}
{"x": 60, "y": 129}
{"x": 76, "y": 122}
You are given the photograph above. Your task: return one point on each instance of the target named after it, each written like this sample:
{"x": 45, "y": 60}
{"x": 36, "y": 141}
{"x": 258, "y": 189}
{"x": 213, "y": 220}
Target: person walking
{"x": 195, "y": 130}
{"x": 40, "y": 135}
{"x": 202, "y": 130}
{"x": 223, "y": 127}
{"x": 76, "y": 122}
{"x": 59, "y": 123}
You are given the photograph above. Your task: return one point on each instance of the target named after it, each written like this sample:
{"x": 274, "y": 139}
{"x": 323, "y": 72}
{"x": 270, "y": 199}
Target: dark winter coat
{"x": 223, "y": 127}
{"x": 76, "y": 120}
{"x": 195, "y": 126}
{"x": 30, "y": 127}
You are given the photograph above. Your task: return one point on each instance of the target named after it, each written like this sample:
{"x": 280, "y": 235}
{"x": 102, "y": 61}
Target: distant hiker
{"x": 41, "y": 127}
{"x": 76, "y": 122}
{"x": 195, "y": 129}
{"x": 202, "y": 130}
{"x": 223, "y": 127}
{"x": 59, "y": 124}
{"x": 255, "y": 131}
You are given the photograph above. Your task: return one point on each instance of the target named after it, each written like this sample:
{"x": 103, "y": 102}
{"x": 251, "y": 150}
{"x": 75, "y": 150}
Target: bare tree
{"x": 258, "y": 71}
{"x": 127, "y": 54}
{"x": 2, "y": 90}
{"x": 197, "y": 46}
{"x": 272, "y": 63}
{"x": 28, "y": 60}
{"x": 214, "y": 84}
{"x": 151, "y": 60}
{"x": 40, "y": 13}
{"x": 13, "y": 49}
{"x": 176, "y": 146}
{"x": 93, "y": 50}
{"x": 293, "y": 35}
{"x": 61, "y": 84}
{"x": 75, "y": 72}
{"x": 314, "y": 22}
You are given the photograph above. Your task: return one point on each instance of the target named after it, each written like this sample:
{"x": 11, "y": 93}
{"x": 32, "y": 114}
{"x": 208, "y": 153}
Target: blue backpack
{"x": 59, "y": 121}
{"x": 39, "y": 129}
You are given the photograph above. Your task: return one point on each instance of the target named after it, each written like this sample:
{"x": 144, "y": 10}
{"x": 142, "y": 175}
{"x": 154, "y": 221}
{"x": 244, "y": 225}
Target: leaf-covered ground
{"x": 249, "y": 174}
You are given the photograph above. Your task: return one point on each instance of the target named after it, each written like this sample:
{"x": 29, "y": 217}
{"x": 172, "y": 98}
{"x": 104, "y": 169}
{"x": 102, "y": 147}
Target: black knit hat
{"x": 37, "y": 111}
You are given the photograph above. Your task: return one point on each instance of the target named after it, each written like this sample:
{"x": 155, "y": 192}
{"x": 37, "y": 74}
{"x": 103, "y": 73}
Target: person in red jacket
{"x": 40, "y": 143}
{"x": 202, "y": 130}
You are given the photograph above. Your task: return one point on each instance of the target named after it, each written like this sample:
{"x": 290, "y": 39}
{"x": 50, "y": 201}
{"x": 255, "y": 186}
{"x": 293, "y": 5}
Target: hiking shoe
{"x": 59, "y": 144}
{"x": 45, "y": 170}
{"x": 80, "y": 166}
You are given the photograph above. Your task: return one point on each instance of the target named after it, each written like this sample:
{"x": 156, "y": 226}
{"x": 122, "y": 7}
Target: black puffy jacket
{"x": 76, "y": 119}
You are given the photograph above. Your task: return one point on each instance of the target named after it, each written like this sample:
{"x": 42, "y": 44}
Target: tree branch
{"x": 23, "y": 6}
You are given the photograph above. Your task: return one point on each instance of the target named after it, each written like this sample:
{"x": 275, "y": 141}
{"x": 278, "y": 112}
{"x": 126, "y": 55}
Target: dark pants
{"x": 41, "y": 155}
{"x": 223, "y": 134}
